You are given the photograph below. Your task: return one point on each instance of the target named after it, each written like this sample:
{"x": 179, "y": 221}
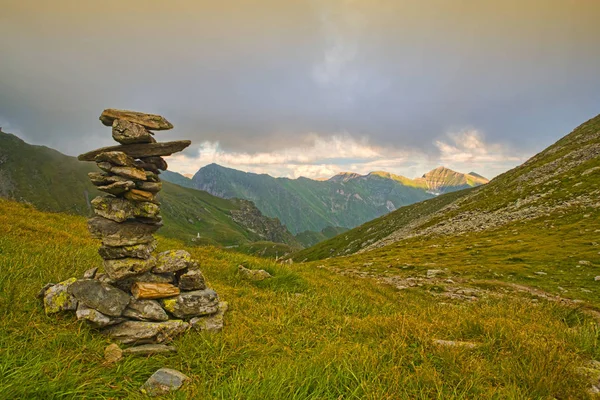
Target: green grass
{"x": 305, "y": 334}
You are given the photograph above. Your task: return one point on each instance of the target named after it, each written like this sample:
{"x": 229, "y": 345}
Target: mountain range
{"x": 557, "y": 187}
{"x": 345, "y": 200}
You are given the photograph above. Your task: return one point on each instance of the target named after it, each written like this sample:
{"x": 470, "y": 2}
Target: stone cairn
{"x": 140, "y": 298}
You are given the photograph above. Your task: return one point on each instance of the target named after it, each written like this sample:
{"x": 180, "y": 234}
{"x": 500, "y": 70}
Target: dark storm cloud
{"x": 260, "y": 75}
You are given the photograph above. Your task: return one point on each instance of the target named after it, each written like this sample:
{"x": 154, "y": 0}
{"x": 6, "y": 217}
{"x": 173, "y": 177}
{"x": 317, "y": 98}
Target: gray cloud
{"x": 259, "y": 76}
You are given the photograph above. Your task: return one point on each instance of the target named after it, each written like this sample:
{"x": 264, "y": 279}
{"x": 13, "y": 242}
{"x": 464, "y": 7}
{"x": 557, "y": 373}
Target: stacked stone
{"x": 140, "y": 298}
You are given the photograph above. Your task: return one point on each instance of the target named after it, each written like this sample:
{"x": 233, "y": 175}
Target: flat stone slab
{"x": 163, "y": 381}
{"x": 100, "y": 296}
{"x": 192, "y": 304}
{"x": 150, "y": 121}
{"x": 145, "y": 310}
{"x": 139, "y": 332}
{"x": 149, "y": 349}
{"x": 140, "y": 150}
{"x": 127, "y": 233}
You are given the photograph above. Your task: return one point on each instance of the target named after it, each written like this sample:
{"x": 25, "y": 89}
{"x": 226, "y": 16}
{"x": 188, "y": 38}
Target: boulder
{"x": 116, "y": 158}
{"x": 172, "y": 261}
{"x": 211, "y": 323}
{"x": 140, "y": 150}
{"x": 163, "y": 381}
{"x": 149, "y": 349}
{"x": 192, "y": 304}
{"x": 127, "y": 233}
{"x": 143, "y": 251}
{"x": 150, "y": 121}
{"x": 57, "y": 297}
{"x": 120, "y": 210}
{"x": 253, "y": 274}
{"x": 145, "y": 310}
{"x": 126, "y": 132}
{"x": 94, "y": 317}
{"x": 125, "y": 267}
{"x": 140, "y": 332}
{"x": 148, "y": 290}
{"x": 100, "y": 296}
{"x": 192, "y": 280}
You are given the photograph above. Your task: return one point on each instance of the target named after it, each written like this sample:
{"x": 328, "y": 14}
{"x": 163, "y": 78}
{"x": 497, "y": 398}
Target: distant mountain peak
{"x": 344, "y": 177}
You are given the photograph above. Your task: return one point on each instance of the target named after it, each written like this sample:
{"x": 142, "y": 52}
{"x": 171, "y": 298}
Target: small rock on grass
{"x": 149, "y": 349}
{"x": 253, "y": 274}
{"x": 163, "y": 381}
{"x": 112, "y": 353}
{"x": 57, "y": 298}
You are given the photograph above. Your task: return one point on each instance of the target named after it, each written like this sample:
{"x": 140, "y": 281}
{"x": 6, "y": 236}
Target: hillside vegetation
{"x": 345, "y": 200}
{"x": 52, "y": 181}
{"x": 560, "y": 184}
{"x": 307, "y": 333}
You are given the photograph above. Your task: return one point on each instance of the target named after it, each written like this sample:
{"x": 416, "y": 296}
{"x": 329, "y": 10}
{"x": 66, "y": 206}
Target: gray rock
{"x": 142, "y": 250}
{"x": 149, "y": 349}
{"x": 192, "y": 304}
{"x": 100, "y": 296}
{"x": 57, "y": 298}
{"x": 126, "y": 132}
{"x": 172, "y": 261}
{"x": 145, "y": 310}
{"x": 105, "y": 179}
{"x": 117, "y": 188}
{"x": 90, "y": 273}
{"x": 253, "y": 274}
{"x": 163, "y": 381}
{"x": 139, "y": 332}
{"x": 120, "y": 210}
{"x": 126, "y": 267}
{"x": 211, "y": 323}
{"x": 158, "y": 162}
{"x": 40, "y": 295}
{"x": 140, "y": 150}
{"x": 121, "y": 234}
{"x": 94, "y": 317}
{"x": 192, "y": 280}
{"x": 152, "y": 187}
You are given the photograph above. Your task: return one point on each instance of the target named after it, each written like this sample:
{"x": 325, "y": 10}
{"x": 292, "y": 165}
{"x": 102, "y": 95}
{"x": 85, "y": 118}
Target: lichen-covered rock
{"x": 163, "y": 381}
{"x": 253, "y": 274}
{"x": 117, "y": 188}
{"x": 150, "y": 121}
{"x": 117, "y": 158}
{"x": 128, "y": 172}
{"x": 94, "y": 317}
{"x": 126, "y": 132}
{"x": 140, "y": 332}
{"x": 100, "y": 296}
{"x": 57, "y": 298}
{"x": 120, "y": 210}
{"x": 127, "y": 233}
{"x": 143, "y": 251}
{"x": 192, "y": 304}
{"x": 145, "y": 310}
{"x": 148, "y": 290}
{"x": 125, "y": 267}
{"x": 172, "y": 261}
{"x": 192, "y": 280}
{"x": 211, "y": 323}
{"x": 90, "y": 273}
{"x": 104, "y": 179}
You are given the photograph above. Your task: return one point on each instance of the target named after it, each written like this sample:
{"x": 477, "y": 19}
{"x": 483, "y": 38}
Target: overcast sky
{"x": 301, "y": 87}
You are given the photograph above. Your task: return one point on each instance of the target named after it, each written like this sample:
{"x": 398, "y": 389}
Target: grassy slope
{"x": 53, "y": 181}
{"x": 305, "y": 334}
{"x": 353, "y": 240}
{"x": 311, "y": 238}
